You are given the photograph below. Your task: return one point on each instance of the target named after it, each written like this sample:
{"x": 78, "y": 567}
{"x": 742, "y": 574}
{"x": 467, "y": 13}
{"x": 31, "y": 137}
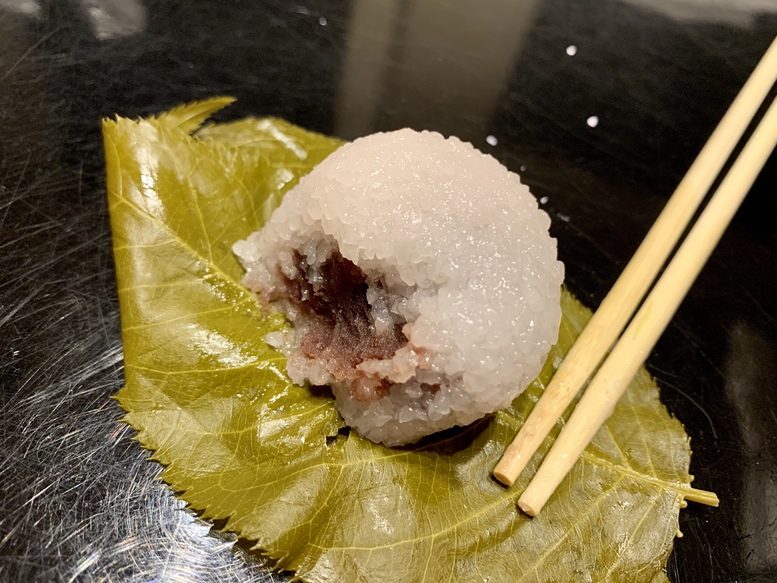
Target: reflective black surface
{"x": 600, "y": 104}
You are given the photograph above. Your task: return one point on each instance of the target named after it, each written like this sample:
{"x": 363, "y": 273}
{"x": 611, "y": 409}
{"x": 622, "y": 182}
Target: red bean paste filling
{"x": 340, "y": 330}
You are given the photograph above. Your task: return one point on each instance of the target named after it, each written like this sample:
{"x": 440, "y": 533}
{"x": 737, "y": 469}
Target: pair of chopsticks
{"x": 639, "y": 338}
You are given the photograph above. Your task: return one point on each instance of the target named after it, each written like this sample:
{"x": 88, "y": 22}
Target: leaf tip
{"x": 190, "y": 116}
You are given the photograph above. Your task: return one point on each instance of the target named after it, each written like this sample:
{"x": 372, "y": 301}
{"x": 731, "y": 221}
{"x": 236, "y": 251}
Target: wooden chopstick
{"x": 643, "y": 332}
{"x": 622, "y": 300}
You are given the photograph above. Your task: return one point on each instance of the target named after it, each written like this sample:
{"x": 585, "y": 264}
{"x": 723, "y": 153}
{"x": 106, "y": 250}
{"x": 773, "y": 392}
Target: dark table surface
{"x": 600, "y": 104}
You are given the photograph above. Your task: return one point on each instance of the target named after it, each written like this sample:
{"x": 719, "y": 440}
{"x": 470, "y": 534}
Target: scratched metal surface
{"x": 601, "y": 104}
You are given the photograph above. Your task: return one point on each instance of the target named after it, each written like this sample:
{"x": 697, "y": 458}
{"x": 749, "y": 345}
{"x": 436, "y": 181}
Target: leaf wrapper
{"x": 241, "y": 443}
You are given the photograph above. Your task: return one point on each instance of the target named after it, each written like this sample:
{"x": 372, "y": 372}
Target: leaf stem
{"x": 700, "y": 496}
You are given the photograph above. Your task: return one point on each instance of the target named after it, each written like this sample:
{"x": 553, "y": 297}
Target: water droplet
{"x": 322, "y": 21}
{"x": 593, "y": 121}
{"x": 571, "y": 50}
{"x": 544, "y": 199}
{"x": 491, "y": 140}
{"x": 523, "y": 167}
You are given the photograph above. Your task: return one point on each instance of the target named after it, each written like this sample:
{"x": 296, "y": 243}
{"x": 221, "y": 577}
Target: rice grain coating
{"x": 420, "y": 280}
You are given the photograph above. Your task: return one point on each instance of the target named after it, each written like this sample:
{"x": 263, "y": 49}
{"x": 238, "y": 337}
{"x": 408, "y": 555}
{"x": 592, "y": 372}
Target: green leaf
{"x": 242, "y": 443}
